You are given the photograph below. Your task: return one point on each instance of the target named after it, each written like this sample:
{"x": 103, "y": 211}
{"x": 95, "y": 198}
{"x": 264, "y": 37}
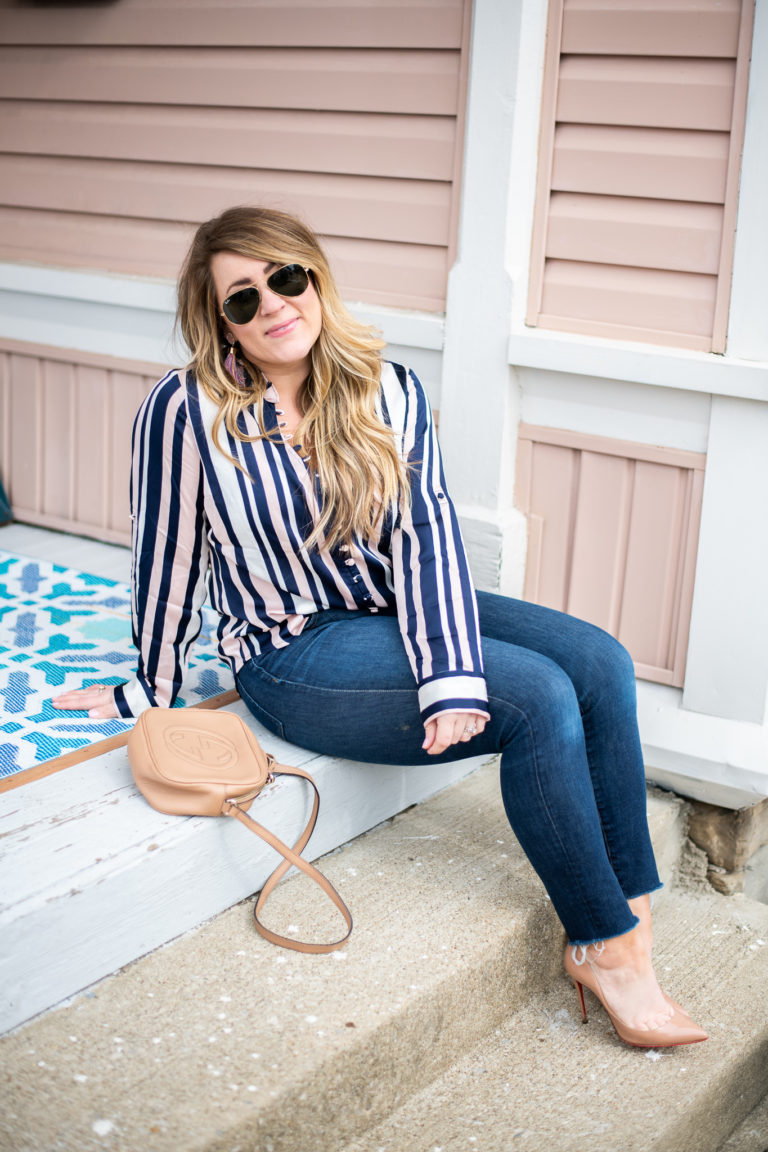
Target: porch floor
{"x": 109, "y": 560}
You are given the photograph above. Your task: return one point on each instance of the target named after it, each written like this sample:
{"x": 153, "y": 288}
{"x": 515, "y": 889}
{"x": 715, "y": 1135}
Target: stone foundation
{"x": 736, "y": 844}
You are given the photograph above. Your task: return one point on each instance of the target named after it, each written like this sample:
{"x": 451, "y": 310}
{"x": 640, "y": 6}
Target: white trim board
{"x": 719, "y": 761}
{"x": 95, "y": 878}
{"x": 133, "y": 317}
{"x": 641, "y": 364}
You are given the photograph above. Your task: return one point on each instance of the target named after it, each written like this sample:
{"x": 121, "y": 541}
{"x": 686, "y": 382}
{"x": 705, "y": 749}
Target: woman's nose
{"x": 270, "y": 301}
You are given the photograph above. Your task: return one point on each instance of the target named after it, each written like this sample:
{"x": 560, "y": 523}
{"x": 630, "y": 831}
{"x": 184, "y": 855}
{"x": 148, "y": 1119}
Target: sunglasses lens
{"x": 291, "y": 280}
{"x": 242, "y": 306}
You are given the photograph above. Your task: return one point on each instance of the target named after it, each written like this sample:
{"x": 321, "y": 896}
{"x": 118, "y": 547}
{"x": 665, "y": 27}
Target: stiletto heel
{"x": 580, "y": 991}
{"x": 679, "y": 1029}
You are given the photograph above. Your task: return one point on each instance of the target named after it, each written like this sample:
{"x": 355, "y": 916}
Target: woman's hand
{"x": 98, "y": 701}
{"x": 451, "y": 728}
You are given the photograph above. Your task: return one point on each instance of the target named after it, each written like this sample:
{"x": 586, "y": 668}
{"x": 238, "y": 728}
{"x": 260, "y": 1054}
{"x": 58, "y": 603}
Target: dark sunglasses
{"x": 242, "y": 306}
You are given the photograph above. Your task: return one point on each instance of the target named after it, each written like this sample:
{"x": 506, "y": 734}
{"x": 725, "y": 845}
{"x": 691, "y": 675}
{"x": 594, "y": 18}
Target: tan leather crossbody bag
{"x": 192, "y": 762}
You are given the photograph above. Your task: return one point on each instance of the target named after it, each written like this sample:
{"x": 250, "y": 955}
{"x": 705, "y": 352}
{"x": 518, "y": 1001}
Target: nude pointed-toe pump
{"x": 679, "y": 1029}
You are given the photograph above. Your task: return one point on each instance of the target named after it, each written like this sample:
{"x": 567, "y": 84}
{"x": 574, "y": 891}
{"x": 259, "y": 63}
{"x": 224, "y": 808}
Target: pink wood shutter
{"x": 65, "y": 422}
{"x": 612, "y": 535}
{"x": 642, "y": 125}
{"x": 124, "y": 125}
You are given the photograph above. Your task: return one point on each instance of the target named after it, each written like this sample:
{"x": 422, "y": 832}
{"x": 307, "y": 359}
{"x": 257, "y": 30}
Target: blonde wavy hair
{"x": 349, "y": 447}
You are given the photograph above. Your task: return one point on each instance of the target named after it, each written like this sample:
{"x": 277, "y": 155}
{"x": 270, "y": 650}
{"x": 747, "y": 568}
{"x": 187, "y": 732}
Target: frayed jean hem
{"x": 602, "y": 939}
{"x": 615, "y": 936}
{"x": 648, "y": 892}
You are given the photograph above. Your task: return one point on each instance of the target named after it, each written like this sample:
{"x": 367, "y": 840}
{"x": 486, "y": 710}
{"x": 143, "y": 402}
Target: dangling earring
{"x": 231, "y": 365}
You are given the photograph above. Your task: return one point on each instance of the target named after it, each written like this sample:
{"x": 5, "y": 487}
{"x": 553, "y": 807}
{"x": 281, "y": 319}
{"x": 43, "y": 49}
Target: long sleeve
{"x": 435, "y": 597}
{"x": 170, "y": 551}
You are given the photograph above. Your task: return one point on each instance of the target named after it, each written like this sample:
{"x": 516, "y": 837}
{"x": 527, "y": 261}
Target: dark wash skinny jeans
{"x": 561, "y": 694}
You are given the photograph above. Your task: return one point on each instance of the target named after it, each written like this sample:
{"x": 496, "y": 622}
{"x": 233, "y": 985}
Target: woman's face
{"x": 284, "y": 329}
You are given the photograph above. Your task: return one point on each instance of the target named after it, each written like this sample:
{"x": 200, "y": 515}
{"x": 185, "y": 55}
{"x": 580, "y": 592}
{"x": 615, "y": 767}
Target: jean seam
{"x": 601, "y": 804}
{"x": 252, "y": 701}
{"x": 301, "y": 685}
{"x": 597, "y": 790}
{"x": 553, "y": 826}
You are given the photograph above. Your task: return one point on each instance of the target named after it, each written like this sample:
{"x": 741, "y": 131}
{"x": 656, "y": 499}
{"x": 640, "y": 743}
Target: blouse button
{"x": 348, "y": 562}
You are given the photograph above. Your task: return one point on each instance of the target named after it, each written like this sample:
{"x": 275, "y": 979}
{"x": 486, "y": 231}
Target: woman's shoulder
{"x": 171, "y": 391}
{"x": 403, "y": 401}
{"x": 399, "y": 378}
{"x": 172, "y": 384}
{"x": 391, "y": 370}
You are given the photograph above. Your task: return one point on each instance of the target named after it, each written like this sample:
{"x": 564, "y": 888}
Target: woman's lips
{"x": 284, "y": 328}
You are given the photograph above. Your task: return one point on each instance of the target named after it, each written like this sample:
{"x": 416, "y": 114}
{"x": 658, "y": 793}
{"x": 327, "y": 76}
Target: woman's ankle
{"x": 626, "y": 951}
{"x": 640, "y": 906}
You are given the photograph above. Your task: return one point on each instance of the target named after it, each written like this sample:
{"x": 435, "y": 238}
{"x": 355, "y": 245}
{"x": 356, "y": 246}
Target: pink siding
{"x": 607, "y": 160}
{"x": 642, "y": 122}
{"x": 65, "y": 424}
{"x": 635, "y": 233}
{"x": 417, "y": 23}
{"x": 591, "y": 298}
{"x": 613, "y": 528}
{"x": 629, "y": 28}
{"x": 663, "y": 93}
{"x": 122, "y": 126}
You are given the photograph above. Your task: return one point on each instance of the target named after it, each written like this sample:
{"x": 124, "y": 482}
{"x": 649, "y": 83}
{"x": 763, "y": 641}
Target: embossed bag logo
{"x": 212, "y": 751}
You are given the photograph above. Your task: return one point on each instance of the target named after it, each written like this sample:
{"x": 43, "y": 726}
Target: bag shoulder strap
{"x": 291, "y": 857}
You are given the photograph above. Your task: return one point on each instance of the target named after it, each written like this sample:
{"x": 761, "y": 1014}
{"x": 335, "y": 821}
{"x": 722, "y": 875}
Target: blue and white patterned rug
{"x": 62, "y": 629}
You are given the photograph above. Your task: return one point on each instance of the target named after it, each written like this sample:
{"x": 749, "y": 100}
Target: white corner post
{"x": 727, "y": 674}
{"x": 479, "y": 407}
{"x": 727, "y": 670}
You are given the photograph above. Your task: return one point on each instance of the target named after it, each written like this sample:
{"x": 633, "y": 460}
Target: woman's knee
{"x": 609, "y": 655}
{"x": 539, "y": 703}
{"x": 606, "y": 669}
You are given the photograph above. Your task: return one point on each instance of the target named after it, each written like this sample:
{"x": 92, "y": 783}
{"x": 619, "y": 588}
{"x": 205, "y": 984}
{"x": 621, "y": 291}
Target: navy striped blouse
{"x": 202, "y": 527}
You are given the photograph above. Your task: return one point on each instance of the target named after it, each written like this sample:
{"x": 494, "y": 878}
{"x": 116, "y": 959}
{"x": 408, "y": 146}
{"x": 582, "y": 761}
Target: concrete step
{"x": 544, "y": 1078}
{"x": 752, "y": 1134}
{"x": 221, "y": 1042}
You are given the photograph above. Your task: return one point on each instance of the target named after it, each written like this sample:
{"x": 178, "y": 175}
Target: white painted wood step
{"x": 91, "y": 877}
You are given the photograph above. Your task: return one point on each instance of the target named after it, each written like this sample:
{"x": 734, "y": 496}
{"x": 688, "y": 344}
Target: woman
{"x": 297, "y": 477}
